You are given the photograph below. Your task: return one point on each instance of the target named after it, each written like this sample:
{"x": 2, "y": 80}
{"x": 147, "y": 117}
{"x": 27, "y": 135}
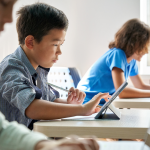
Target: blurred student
{"x": 119, "y": 63}
{"x": 14, "y": 136}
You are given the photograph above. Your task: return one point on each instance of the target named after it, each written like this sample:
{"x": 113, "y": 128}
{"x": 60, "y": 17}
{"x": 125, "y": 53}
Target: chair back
{"x": 64, "y": 77}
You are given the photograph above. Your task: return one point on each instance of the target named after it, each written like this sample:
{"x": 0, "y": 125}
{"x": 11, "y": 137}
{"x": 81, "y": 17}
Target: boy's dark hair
{"x": 38, "y": 19}
{"x": 132, "y": 37}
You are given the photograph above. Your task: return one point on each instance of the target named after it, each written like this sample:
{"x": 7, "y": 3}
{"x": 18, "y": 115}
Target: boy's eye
{"x": 58, "y": 44}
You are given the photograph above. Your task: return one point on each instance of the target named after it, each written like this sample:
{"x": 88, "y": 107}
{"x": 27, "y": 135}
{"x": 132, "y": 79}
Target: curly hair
{"x": 132, "y": 37}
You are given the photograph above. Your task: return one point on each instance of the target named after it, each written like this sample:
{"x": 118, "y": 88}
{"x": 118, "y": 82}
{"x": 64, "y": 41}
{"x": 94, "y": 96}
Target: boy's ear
{"x": 29, "y": 41}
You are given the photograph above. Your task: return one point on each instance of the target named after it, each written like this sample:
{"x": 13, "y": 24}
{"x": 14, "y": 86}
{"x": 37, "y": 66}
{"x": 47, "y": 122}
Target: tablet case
{"x": 113, "y": 115}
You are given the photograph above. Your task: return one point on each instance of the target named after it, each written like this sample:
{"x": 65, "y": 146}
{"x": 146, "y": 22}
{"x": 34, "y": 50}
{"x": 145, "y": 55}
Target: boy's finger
{"x": 97, "y": 109}
{"x": 106, "y": 99}
{"x": 72, "y": 90}
{"x": 80, "y": 97}
{"x": 99, "y": 96}
{"x": 69, "y": 99}
{"x": 109, "y": 96}
{"x": 103, "y": 95}
{"x": 77, "y": 93}
{"x": 84, "y": 95}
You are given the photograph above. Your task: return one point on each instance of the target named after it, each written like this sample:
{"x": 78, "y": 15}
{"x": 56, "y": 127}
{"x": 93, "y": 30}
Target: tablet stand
{"x": 113, "y": 115}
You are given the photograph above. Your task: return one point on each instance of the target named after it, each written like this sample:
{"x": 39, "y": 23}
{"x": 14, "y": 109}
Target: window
{"x": 145, "y": 17}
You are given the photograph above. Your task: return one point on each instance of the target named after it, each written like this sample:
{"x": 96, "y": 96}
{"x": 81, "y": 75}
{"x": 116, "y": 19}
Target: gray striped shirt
{"x": 17, "y": 89}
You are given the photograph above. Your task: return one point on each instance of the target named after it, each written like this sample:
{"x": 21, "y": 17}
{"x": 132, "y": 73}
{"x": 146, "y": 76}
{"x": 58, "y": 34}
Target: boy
{"x": 41, "y": 31}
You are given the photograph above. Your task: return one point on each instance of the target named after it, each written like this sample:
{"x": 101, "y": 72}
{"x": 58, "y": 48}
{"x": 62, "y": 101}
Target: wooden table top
{"x": 132, "y": 125}
{"x": 132, "y": 103}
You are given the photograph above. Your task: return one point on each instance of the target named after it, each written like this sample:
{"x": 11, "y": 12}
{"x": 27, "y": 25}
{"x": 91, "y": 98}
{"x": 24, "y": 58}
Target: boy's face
{"x": 47, "y": 51}
{"x": 6, "y": 7}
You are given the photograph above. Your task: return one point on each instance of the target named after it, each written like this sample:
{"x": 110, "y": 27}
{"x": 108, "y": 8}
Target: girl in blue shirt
{"x": 119, "y": 63}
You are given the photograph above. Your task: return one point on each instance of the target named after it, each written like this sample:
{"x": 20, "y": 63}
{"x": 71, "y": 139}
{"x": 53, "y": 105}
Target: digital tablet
{"x": 105, "y": 106}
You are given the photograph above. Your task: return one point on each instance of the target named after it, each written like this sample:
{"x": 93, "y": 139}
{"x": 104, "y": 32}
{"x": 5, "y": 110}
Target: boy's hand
{"x": 90, "y": 107}
{"x": 75, "y": 96}
{"x": 73, "y": 143}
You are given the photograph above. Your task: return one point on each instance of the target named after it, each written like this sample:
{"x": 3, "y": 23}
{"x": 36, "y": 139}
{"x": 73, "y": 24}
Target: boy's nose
{"x": 59, "y": 51}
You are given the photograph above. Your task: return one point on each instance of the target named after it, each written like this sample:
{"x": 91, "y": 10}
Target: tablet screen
{"x": 118, "y": 91}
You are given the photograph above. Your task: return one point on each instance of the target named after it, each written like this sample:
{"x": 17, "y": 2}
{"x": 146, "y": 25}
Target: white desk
{"x": 132, "y": 125}
{"x": 132, "y": 103}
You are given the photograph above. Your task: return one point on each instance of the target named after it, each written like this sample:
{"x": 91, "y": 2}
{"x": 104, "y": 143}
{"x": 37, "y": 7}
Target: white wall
{"x": 92, "y": 25}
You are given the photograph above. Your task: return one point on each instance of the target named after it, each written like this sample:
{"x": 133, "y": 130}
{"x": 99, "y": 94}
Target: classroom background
{"x": 92, "y": 25}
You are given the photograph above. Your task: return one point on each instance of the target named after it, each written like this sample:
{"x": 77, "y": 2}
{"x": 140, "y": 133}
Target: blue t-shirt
{"x": 99, "y": 78}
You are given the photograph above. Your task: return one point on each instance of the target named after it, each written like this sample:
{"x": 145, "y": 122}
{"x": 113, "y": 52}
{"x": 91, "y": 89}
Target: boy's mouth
{"x": 55, "y": 60}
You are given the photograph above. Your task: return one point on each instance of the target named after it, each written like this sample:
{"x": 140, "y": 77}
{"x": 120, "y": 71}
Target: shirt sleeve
{"x": 16, "y": 136}
{"x": 134, "y": 69}
{"x": 16, "y": 87}
{"x": 116, "y": 59}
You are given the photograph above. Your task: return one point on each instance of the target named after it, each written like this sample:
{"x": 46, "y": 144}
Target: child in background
{"x": 41, "y": 32}
{"x": 14, "y": 136}
{"x": 119, "y": 63}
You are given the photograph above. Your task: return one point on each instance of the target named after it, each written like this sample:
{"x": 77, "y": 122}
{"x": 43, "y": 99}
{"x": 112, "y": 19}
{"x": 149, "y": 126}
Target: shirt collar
{"x": 47, "y": 69}
{"x": 22, "y": 56}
